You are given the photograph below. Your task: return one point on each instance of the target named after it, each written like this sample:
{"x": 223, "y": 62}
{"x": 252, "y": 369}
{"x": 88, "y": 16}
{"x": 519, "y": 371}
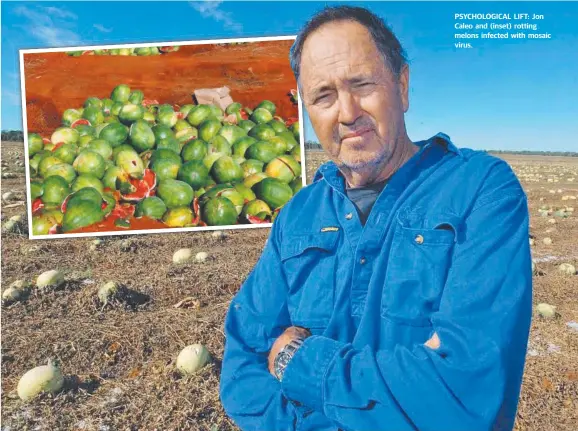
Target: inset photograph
{"x": 184, "y": 136}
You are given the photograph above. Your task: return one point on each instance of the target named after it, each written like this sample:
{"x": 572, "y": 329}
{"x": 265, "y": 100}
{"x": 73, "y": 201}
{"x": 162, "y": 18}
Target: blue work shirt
{"x": 445, "y": 249}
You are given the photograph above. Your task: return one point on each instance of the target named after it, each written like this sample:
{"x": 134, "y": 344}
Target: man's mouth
{"x": 356, "y": 133}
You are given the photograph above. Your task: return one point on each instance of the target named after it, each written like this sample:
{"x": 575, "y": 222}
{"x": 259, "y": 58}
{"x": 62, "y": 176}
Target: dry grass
{"x": 119, "y": 360}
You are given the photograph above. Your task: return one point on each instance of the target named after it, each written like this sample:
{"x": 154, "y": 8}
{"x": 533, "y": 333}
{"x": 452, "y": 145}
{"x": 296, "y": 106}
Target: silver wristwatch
{"x": 284, "y": 356}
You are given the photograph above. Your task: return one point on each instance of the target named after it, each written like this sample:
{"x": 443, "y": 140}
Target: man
{"x": 394, "y": 292}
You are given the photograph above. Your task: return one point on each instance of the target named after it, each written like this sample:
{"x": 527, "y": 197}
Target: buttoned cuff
{"x": 303, "y": 379}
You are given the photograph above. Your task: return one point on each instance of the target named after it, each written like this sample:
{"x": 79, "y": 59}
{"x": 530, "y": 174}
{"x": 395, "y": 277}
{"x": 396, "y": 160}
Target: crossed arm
{"x": 465, "y": 378}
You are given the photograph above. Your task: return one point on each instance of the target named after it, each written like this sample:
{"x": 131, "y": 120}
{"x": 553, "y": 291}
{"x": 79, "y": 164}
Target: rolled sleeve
{"x": 303, "y": 377}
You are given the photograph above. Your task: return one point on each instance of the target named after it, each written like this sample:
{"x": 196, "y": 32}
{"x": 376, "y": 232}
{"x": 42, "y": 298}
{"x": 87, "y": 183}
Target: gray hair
{"x": 386, "y": 42}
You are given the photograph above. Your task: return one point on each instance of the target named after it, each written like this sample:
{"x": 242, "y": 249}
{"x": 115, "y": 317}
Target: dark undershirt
{"x": 364, "y": 197}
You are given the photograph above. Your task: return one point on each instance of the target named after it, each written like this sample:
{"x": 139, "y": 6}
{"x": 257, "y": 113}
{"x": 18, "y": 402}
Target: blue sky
{"x": 501, "y": 94}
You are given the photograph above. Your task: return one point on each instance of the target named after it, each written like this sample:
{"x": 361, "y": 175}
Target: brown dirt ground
{"x": 119, "y": 361}
{"x": 55, "y": 82}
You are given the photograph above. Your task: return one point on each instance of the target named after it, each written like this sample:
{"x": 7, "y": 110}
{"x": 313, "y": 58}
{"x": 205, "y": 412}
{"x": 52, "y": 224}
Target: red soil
{"x": 256, "y": 71}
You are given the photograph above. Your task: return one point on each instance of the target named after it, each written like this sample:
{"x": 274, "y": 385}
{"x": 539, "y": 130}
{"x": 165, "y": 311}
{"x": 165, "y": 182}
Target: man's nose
{"x": 349, "y": 108}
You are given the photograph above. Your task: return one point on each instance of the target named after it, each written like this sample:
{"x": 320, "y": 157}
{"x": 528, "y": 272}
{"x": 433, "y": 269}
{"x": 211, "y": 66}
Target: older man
{"x": 394, "y": 292}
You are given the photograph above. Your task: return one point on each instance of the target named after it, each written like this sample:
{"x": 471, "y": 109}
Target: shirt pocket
{"x": 309, "y": 263}
{"x": 417, "y": 267}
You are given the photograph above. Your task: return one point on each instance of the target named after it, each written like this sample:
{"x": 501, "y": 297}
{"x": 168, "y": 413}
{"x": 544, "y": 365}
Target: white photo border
{"x": 22, "y": 52}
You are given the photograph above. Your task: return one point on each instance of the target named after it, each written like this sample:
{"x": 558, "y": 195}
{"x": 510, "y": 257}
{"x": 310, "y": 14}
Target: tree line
{"x": 311, "y": 145}
{"x": 13, "y": 135}
{"x": 536, "y": 153}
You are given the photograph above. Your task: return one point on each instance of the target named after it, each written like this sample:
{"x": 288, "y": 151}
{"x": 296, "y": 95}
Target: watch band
{"x": 284, "y": 356}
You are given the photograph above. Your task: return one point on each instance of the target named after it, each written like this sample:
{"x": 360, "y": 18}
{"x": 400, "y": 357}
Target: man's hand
{"x": 285, "y": 338}
{"x": 433, "y": 342}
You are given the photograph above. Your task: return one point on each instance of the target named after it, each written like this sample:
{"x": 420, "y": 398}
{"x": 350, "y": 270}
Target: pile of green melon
{"x": 124, "y": 157}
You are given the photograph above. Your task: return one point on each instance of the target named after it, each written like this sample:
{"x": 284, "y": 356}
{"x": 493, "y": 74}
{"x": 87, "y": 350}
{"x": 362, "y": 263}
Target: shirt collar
{"x": 443, "y": 140}
{"x": 329, "y": 170}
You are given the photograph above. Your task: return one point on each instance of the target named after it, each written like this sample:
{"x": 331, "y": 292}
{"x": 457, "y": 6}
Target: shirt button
{"x": 419, "y": 239}
{"x": 349, "y": 216}
{"x": 362, "y": 261}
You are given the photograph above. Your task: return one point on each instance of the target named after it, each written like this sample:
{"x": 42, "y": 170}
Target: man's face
{"x": 356, "y": 104}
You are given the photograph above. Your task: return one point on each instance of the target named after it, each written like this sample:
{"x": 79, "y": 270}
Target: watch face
{"x": 281, "y": 362}
{"x": 284, "y": 358}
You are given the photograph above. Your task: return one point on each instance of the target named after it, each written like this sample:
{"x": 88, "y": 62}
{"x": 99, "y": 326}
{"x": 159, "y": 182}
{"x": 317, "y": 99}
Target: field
{"x": 119, "y": 361}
